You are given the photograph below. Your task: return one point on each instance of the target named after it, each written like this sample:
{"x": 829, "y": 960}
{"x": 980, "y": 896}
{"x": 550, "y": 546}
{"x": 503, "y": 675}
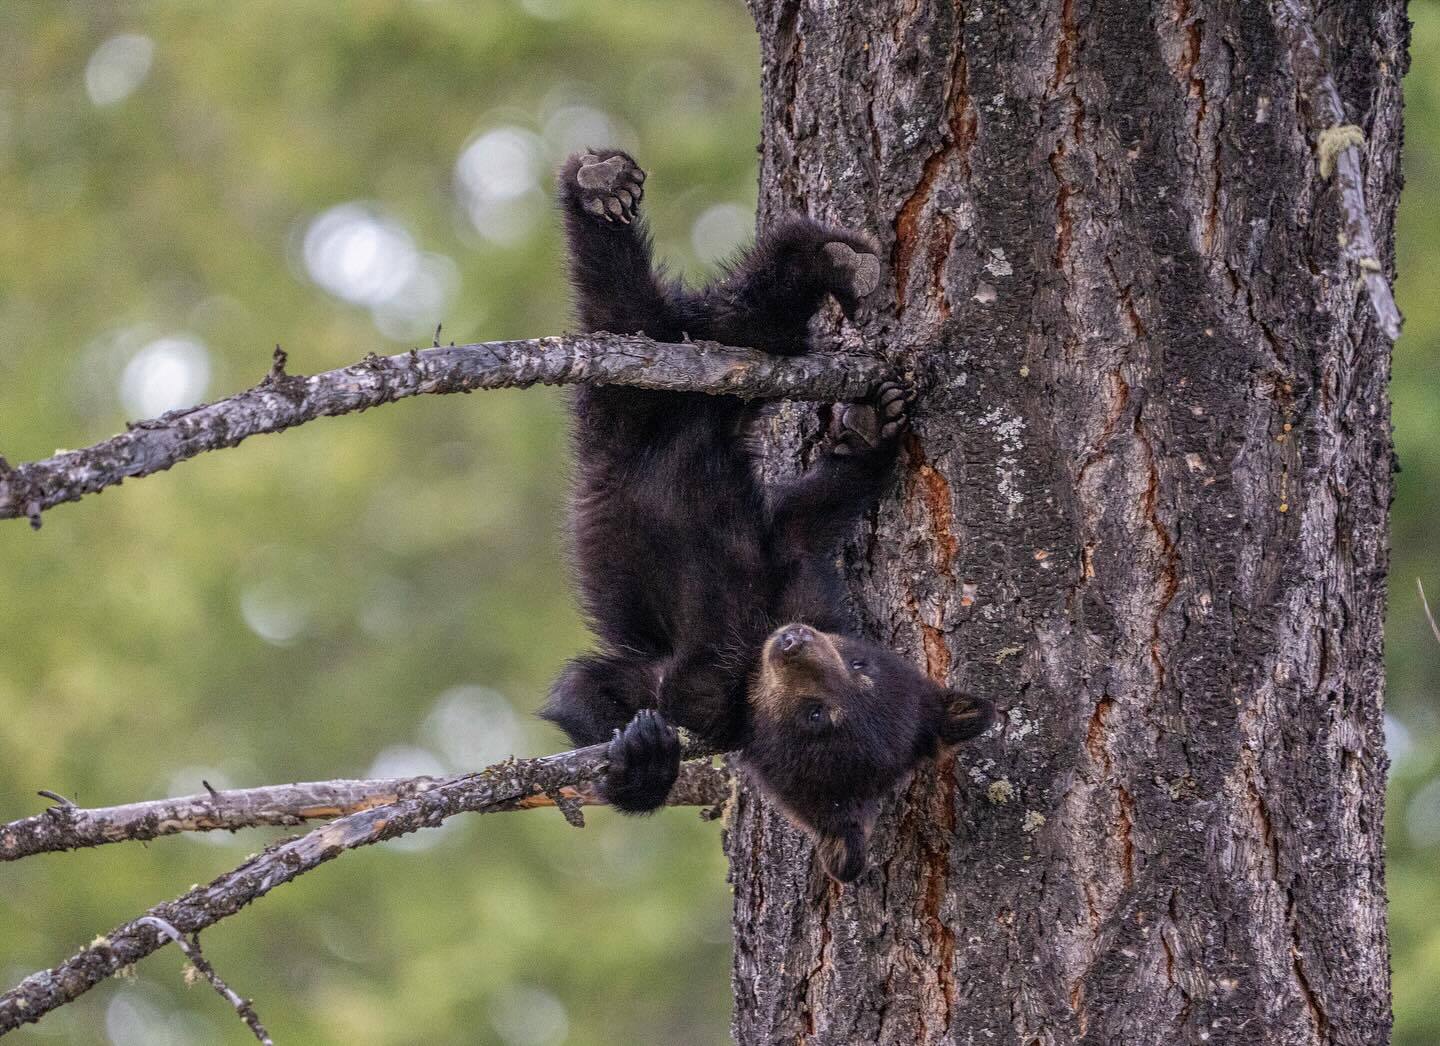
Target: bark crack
{"x": 1096, "y": 739}
{"x": 927, "y": 486}
{"x": 930, "y": 818}
{"x": 1119, "y": 398}
{"x": 822, "y": 963}
{"x": 1188, "y": 38}
{"x": 957, "y": 136}
{"x": 937, "y": 871}
{"x": 1315, "y": 1010}
{"x": 934, "y": 488}
{"x": 1065, "y": 51}
{"x": 1173, "y": 923}
{"x": 1169, "y": 573}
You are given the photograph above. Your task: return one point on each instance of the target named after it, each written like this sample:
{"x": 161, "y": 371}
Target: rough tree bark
{"x": 1144, "y": 510}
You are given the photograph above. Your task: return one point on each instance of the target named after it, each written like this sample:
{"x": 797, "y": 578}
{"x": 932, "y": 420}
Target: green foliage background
{"x": 393, "y": 558}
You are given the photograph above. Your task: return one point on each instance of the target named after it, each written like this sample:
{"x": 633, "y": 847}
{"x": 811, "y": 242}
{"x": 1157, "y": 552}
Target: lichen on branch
{"x": 282, "y": 401}
{"x": 513, "y": 784}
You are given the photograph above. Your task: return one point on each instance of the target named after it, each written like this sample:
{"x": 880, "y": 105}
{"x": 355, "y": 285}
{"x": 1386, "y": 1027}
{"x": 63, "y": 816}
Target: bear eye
{"x": 857, "y": 665}
{"x": 814, "y": 712}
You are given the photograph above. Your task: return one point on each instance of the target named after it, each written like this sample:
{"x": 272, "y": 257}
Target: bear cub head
{"x": 837, "y": 722}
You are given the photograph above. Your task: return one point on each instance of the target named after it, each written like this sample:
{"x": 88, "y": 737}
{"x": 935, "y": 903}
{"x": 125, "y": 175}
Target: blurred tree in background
{"x": 186, "y": 185}
{"x": 1413, "y": 653}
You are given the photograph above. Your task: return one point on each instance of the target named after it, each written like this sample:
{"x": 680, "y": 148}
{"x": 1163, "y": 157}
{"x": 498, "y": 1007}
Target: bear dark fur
{"x": 716, "y": 601}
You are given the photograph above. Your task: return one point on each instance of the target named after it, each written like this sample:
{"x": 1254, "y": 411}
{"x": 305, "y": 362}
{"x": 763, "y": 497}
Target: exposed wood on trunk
{"x": 1144, "y": 510}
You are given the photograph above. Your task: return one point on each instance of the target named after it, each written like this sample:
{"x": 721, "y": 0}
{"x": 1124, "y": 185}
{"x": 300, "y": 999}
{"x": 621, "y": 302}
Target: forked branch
{"x": 509, "y": 785}
{"x": 202, "y": 968}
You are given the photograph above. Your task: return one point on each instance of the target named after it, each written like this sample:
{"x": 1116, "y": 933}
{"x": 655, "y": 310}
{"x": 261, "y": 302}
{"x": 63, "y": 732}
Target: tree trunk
{"x": 1144, "y": 509}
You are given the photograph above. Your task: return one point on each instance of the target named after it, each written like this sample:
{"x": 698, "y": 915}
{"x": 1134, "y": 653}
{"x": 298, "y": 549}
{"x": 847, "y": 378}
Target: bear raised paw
{"x": 857, "y": 273}
{"x": 608, "y": 186}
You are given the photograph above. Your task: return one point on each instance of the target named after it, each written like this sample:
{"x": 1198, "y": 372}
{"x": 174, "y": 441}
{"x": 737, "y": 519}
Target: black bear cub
{"x": 716, "y": 601}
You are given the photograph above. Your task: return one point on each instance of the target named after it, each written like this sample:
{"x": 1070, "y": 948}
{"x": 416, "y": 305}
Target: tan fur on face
{"x": 784, "y": 682}
{"x": 832, "y": 852}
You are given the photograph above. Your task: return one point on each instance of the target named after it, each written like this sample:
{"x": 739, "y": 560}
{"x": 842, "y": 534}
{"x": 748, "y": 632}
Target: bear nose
{"x": 795, "y": 637}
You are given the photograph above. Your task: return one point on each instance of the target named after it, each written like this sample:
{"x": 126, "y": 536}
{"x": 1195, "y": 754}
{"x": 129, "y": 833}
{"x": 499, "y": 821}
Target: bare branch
{"x": 191, "y": 948}
{"x": 503, "y": 786}
{"x": 283, "y": 401}
{"x": 69, "y": 827}
{"x": 1434, "y": 628}
{"x": 1337, "y": 144}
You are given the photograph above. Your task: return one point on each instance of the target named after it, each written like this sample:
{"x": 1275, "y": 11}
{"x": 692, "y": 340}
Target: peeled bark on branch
{"x": 1144, "y": 510}
{"x": 282, "y": 401}
{"x": 68, "y": 827}
{"x": 1338, "y": 144}
{"x": 500, "y": 787}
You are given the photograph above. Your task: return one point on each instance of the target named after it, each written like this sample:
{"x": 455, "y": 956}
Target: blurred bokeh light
{"x": 186, "y": 185}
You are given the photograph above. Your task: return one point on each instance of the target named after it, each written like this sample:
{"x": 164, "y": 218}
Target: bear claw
{"x": 644, "y": 762}
{"x": 859, "y": 272}
{"x": 857, "y": 427}
{"x": 609, "y": 188}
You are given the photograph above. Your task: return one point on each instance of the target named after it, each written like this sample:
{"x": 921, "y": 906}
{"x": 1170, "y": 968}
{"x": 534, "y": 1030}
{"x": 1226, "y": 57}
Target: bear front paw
{"x": 858, "y": 427}
{"x": 854, "y": 275}
{"x": 644, "y": 762}
{"x": 607, "y": 186}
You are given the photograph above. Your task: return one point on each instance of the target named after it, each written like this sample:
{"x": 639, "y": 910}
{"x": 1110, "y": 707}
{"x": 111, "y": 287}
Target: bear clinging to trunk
{"x": 716, "y": 601}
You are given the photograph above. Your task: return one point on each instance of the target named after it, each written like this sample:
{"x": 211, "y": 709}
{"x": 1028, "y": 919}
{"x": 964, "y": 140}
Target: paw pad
{"x": 860, "y": 271}
{"x": 856, "y": 427}
{"x": 609, "y": 188}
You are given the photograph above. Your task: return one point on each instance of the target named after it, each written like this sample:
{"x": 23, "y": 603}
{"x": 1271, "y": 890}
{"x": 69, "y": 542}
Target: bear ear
{"x": 965, "y": 717}
{"x": 843, "y": 855}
